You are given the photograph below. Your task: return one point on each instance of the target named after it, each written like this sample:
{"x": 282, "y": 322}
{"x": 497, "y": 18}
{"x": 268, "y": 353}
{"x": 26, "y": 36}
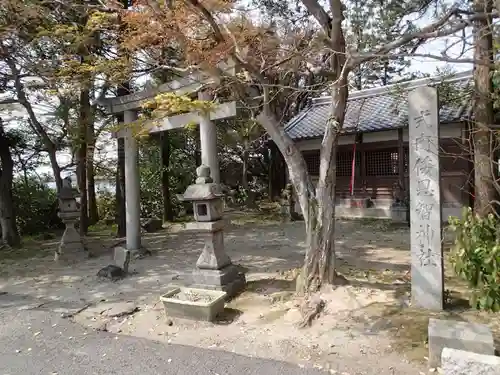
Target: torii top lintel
{"x": 185, "y": 85}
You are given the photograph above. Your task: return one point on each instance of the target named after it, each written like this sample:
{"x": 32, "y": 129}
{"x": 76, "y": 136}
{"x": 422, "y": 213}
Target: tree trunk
{"x": 120, "y": 189}
{"x": 91, "y": 193}
{"x": 197, "y": 149}
{"x": 56, "y": 170}
{"x": 484, "y": 173}
{"x": 10, "y": 234}
{"x": 244, "y": 171}
{"x": 250, "y": 195}
{"x": 318, "y": 207}
{"x": 84, "y": 118}
{"x": 319, "y": 266}
{"x": 36, "y": 126}
{"x": 168, "y": 213}
{"x": 277, "y": 178}
{"x": 268, "y": 160}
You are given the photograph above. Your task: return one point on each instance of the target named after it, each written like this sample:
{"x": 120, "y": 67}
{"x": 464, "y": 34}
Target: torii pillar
{"x": 130, "y": 104}
{"x": 132, "y": 186}
{"x": 208, "y": 142}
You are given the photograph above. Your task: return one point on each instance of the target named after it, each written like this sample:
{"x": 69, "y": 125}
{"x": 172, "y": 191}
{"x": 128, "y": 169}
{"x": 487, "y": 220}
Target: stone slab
{"x": 121, "y": 258}
{"x": 452, "y": 334}
{"x": 427, "y": 287}
{"x": 211, "y": 226}
{"x": 460, "y": 362}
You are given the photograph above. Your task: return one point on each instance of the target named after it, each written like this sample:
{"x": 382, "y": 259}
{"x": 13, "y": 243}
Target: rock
{"x": 98, "y": 325}
{"x": 112, "y": 273}
{"x": 142, "y": 253}
{"x": 152, "y": 225}
{"x": 460, "y": 362}
{"x": 121, "y": 258}
{"x": 472, "y": 337}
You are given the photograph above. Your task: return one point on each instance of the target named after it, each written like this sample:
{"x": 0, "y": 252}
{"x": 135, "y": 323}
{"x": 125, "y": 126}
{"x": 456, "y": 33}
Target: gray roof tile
{"x": 382, "y": 108}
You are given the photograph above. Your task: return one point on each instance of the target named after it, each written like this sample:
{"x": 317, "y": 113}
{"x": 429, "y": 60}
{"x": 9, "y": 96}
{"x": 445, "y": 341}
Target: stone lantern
{"x": 69, "y": 213}
{"x": 214, "y": 269}
{"x": 206, "y": 196}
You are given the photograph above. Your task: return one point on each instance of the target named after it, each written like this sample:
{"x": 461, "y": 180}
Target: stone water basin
{"x": 193, "y": 303}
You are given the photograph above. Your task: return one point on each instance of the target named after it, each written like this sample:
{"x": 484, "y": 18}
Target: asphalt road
{"x": 40, "y": 342}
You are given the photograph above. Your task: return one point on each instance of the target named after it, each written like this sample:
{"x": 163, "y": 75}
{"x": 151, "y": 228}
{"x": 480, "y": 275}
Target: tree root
{"x": 310, "y": 310}
{"x": 340, "y": 280}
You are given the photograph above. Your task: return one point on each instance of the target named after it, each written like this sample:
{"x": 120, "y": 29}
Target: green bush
{"x": 106, "y": 205}
{"x": 476, "y": 257}
{"x": 36, "y": 207}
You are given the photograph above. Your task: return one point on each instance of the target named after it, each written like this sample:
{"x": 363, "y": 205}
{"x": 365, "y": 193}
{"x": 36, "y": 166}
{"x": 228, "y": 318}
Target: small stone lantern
{"x": 69, "y": 213}
{"x": 206, "y": 196}
{"x": 214, "y": 269}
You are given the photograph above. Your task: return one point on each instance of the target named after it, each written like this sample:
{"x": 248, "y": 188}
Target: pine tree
{"x": 372, "y": 23}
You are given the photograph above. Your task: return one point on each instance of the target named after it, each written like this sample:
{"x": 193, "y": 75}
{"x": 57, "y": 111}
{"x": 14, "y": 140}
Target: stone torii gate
{"x": 130, "y": 105}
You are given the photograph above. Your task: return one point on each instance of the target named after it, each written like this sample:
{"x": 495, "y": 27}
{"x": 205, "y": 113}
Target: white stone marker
{"x": 425, "y": 199}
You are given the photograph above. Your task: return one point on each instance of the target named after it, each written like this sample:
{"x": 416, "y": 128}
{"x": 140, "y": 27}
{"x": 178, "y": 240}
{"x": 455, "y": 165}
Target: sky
{"x": 418, "y": 64}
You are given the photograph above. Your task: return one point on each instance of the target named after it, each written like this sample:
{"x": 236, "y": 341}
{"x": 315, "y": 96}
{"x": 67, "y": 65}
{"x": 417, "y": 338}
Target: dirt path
{"x": 366, "y": 327}
{"x": 261, "y": 248}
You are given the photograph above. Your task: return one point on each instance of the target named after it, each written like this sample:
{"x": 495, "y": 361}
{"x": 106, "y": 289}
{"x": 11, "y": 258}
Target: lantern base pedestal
{"x": 230, "y": 279}
{"x": 71, "y": 244}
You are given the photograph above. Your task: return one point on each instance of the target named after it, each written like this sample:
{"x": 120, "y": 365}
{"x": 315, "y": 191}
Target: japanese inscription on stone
{"x": 425, "y": 199}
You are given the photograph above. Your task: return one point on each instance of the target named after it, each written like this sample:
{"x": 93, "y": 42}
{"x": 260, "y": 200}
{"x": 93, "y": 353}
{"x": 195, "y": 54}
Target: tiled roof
{"x": 382, "y": 108}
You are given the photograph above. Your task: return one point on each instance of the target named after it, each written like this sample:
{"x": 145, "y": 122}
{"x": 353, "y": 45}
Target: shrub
{"x": 476, "y": 257}
{"x": 36, "y": 207}
{"x": 106, "y": 205}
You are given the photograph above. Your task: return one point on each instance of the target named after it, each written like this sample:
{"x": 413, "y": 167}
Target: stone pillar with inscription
{"x": 427, "y": 279}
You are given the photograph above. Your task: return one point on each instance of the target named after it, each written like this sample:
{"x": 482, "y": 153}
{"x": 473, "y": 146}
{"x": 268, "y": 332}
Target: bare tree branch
{"x": 437, "y": 29}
